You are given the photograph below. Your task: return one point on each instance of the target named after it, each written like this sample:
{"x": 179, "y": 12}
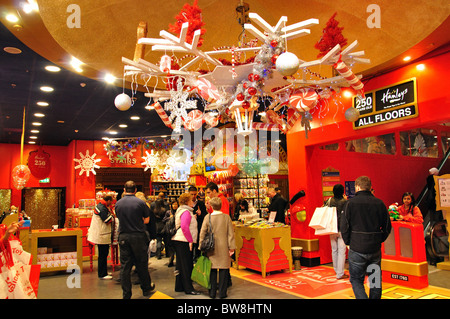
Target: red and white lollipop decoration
{"x": 303, "y": 99}
{"x": 210, "y": 119}
{"x": 207, "y": 90}
{"x": 194, "y": 120}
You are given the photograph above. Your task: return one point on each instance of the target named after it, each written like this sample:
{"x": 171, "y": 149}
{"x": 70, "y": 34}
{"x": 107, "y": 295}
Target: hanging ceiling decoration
{"x": 235, "y": 91}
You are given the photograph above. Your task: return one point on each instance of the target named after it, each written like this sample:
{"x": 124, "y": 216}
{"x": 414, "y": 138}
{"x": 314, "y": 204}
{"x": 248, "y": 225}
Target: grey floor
{"x": 56, "y": 286}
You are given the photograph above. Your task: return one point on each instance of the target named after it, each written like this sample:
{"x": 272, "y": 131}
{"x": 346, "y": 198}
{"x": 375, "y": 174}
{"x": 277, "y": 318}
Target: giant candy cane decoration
{"x": 162, "y": 114}
{"x": 351, "y": 78}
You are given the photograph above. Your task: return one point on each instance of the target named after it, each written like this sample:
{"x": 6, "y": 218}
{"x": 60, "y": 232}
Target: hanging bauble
{"x": 20, "y": 175}
{"x": 351, "y": 114}
{"x": 256, "y": 77}
{"x": 273, "y": 43}
{"x": 287, "y": 63}
{"x": 122, "y": 102}
{"x": 251, "y": 90}
{"x": 274, "y": 58}
{"x": 240, "y": 97}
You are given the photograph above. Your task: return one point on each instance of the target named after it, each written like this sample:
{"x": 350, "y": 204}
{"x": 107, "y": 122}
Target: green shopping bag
{"x": 202, "y": 270}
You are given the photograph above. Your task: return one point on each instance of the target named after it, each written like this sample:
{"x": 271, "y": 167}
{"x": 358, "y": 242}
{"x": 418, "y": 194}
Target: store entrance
{"x": 45, "y": 206}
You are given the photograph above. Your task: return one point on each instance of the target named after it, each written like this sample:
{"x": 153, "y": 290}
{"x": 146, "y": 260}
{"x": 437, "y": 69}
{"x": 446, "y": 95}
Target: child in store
{"x": 409, "y": 212}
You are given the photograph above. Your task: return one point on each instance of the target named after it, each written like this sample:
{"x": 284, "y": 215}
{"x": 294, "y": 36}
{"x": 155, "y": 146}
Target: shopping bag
{"x": 18, "y": 254}
{"x": 17, "y": 282}
{"x": 201, "y": 272}
{"x": 331, "y": 227}
{"x": 321, "y": 217}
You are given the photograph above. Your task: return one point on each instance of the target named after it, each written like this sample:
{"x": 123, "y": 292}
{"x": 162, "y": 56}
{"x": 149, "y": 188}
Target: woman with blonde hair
{"x": 224, "y": 246}
{"x": 183, "y": 241}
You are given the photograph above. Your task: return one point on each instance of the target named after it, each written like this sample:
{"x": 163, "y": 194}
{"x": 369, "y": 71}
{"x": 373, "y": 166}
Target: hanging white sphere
{"x": 351, "y": 114}
{"x": 287, "y": 63}
{"x": 122, "y": 102}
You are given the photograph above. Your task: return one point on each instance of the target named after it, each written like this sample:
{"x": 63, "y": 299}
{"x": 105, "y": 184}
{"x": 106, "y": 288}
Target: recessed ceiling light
{"x": 420, "y": 67}
{"x": 163, "y": 136}
{"x": 135, "y": 118}
{"x": 39, "y": 114}
{"x": 30, "y": 6}
{"x": 76, "y": 64}
{"x": 109, "y": 78}
{"x": 36, "y": 123}
{"x": 112, "y": 132}
{"x": 12, "y": 50}
{"x": 31, "y": 142}
{"x": 33, "y": 137}
{"x": 12, "y": 18}
{"x": 151, "y": 141}
{"x": 42, "y": 103}
{"x": 348, "y": 94}
{"x": 76, "y": 131}
{"x": 52, "y": 68}
{"x": 123, "y": 125}
{"x": 34, "y": 131}
{"x": 61, "y": 122}
{"x": 406, "y": 58}
{"x": 46, "y": 88}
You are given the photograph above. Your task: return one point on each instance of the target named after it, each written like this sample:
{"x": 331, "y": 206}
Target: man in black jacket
{"x": 365, "y": 225}
{"x": 277, "y": 204}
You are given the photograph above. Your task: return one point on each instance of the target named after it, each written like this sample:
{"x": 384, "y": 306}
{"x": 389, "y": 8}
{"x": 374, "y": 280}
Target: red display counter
{"x": 404, "y": 259}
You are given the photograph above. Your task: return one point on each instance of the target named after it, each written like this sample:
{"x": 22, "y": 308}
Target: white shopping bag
{"x": 331, "y": 227}
{"x": 322, "y": 217}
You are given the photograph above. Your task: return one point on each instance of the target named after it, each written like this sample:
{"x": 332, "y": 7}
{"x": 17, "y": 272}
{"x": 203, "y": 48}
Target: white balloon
{"x": 351, "y": 114}
{"x": 287, "y": 63}
{"x": 122, "y": 102}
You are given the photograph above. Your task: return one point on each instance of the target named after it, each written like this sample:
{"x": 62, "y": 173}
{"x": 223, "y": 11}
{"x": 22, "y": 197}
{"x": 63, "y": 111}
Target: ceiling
{"x": 82, "y": 103}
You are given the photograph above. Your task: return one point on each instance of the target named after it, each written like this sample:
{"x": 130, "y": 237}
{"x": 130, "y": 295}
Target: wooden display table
{"x": 263, "y": 249}
{"x": 61, "y": 243}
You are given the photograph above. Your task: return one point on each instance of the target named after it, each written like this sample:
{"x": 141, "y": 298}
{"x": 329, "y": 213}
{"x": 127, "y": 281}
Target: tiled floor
{"x": 308, "y": 283}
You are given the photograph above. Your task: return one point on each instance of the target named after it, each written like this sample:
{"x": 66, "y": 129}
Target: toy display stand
{"x": 263, "y": 249}
{"x": 404, "y": 259}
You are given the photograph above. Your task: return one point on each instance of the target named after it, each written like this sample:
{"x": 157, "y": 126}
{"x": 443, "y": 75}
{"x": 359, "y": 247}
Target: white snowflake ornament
{"x": 87, "y": 163}
{"x": 151, "y": 161}
{"x": 178, "y": 105}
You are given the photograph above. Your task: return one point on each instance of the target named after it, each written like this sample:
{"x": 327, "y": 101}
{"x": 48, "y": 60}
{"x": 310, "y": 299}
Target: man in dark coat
{"x": 365, "y": 225}
{"x": 277, "y": 204}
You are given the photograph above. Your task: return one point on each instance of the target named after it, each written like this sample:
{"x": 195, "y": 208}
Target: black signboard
{"x": 396, "y": 95}
{"x": 393, "y": 103}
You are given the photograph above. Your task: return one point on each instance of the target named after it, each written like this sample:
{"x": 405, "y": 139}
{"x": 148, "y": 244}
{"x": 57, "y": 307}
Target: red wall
{"x": 11, "y": 157}
{"x": 391, "y": 175}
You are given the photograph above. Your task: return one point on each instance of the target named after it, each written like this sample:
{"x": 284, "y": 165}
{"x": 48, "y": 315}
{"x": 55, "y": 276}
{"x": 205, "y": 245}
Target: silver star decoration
{"x": 178, "y": 105}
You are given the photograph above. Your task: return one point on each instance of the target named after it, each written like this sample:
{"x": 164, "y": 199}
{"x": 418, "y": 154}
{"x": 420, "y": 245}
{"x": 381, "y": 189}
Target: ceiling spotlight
{"x": 52, "y": 68}
{"x": 60, "y": 122}
{"x": 123, "y": 125}
{"x": 12, "y": 18}
{"x": 12, "y": 50}
{"x": 76, "y": 64}
{"x": 135, "y": 118}
{"x": 30, "y": 6}
{"x": 34, "y": 131}
{"x": 406, "y": 58}
{"x": 163, "y": 136}
{"x": 420, "y": 67}
{"x": 348, "y": 94}
{"x": 36, "y": 124}
{"x": 39, "y": 114}
{"x": 109, "y": 78}
{"x": 112, "y": 132}
{"x": 31, "y": 142}
{"x": 33, "y": 137}
{"x": 42, "y": 103}
{"x": 46, "y": 88}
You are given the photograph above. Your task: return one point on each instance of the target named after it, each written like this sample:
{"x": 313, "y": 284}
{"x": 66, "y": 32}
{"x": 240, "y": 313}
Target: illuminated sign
{"x": 393, "y": 103}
